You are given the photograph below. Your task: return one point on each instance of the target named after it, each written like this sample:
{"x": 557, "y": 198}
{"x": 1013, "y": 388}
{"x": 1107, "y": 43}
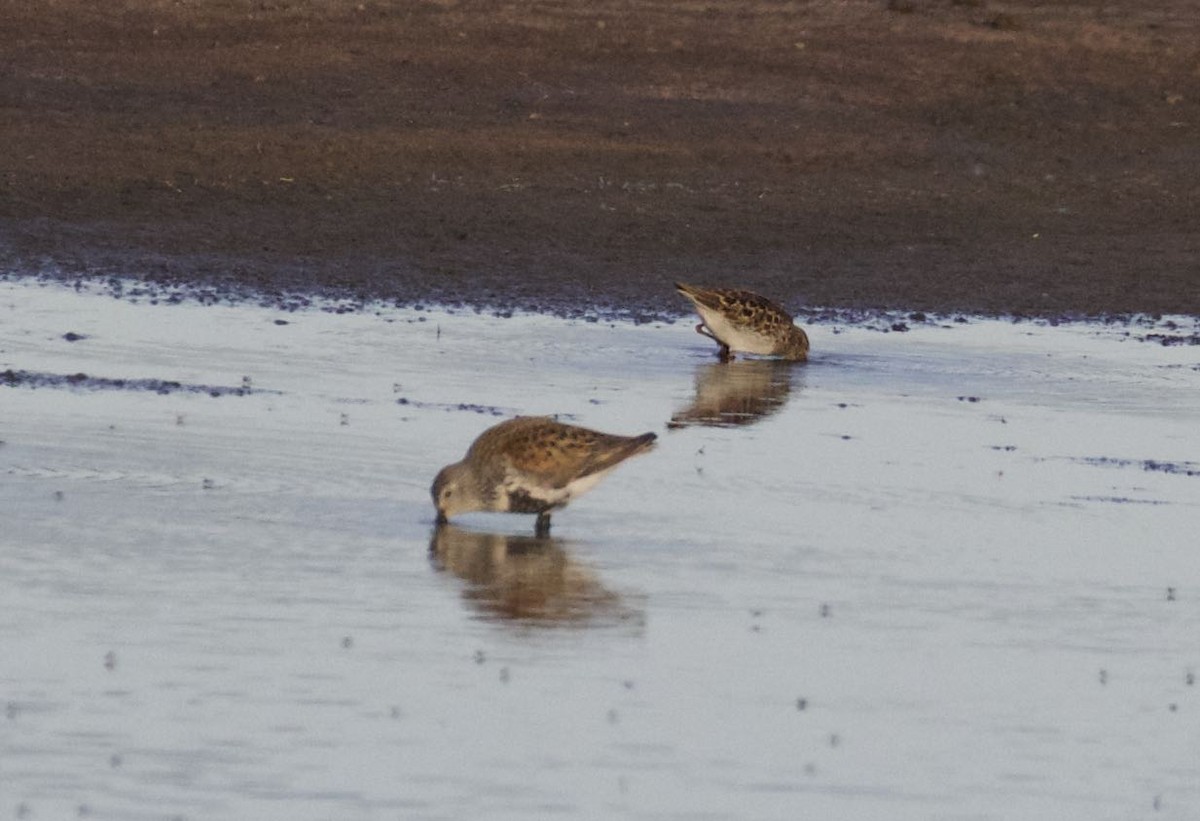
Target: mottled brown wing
{"x": 553, "y": 454}
{"x": 746, "y": 307}
{"x": 757, "y": 310}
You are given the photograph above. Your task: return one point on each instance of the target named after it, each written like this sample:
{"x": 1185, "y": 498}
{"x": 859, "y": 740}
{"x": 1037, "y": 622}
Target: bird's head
{"x": 455, "y": 491}
{"x": 797, "y": 344}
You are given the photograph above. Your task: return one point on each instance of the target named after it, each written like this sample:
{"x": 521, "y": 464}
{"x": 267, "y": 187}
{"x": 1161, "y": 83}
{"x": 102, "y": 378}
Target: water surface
{"x": 948, "y": 573}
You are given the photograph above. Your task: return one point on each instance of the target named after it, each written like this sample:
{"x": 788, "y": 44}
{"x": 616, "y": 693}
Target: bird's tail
{"x": 643, "y": 443}
{"x": 700, "y": 296}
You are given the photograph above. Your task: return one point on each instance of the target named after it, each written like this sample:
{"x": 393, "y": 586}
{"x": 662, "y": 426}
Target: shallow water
{"x": 948, "y": 573}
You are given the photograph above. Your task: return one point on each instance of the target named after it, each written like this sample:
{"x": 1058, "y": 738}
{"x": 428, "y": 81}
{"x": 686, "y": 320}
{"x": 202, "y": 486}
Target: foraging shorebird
{"x": 745, "y": 321}
{"x": 530, "y": 464}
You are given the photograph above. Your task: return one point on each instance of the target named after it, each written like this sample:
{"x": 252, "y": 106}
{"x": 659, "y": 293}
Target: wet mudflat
{"x": 979, "y": 156}
{"x": 946, "y": 573}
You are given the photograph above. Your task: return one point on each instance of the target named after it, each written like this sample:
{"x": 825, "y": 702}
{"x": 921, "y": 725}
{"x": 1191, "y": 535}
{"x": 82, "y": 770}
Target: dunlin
{"x": 745, "y": 321}
{"x": 531, "y": 464}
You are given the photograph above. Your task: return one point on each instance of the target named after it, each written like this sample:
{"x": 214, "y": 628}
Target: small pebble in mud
{"x": 208, "y": 484}
{"x": 1104, "y": 677}
{"x": 834, "y": 739}
{"x": 1189, "y": 679}
{"x": 345, "y": 420}
{"x": 347, "y": 642}
{"x": 1170, "y": 594}
{"x": 628, "y": 683}
{"x": 899, "y": 327}
{"x": 110, "y": 661}
{"x": 281, "y": 322}
{"x": 480, "y": 658}
{"x": 397, "y": 713}
{"x": 801, "y": 704}
{"x": 846, "y": 437}
{"x": 71, "y": 336}
{"x": 826, "y": 611}
{"x": 1173, "y": 707}
{"x": 179, "y": 419}
{"x": 968, "y": 399}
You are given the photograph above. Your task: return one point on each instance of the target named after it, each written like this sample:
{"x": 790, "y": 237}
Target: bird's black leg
{"x": 723, "y": 352}
{"x": 542, "y": 526}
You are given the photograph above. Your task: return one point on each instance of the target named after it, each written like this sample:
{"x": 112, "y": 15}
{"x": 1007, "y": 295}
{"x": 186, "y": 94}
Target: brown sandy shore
{"x": 1025, "y": 157}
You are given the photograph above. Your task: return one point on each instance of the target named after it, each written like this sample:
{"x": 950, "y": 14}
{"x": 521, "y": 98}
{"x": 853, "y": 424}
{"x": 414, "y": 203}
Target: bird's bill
{"x": 441, "y": 517}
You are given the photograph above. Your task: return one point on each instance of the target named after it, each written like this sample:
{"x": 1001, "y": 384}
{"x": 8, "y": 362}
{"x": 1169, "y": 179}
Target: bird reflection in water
{"x": 527, "y": 579}
{"x": 742, "y": 392}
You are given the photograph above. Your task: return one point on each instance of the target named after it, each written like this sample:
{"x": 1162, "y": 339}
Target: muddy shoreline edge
{"x": 1167, "y": 330}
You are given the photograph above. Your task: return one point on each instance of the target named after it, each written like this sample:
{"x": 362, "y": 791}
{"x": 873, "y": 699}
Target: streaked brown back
{"x": 553, "y": 453}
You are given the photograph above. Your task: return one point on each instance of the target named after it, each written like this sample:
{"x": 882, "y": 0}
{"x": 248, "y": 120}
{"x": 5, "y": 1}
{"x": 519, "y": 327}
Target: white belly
{"x": 736, "y": 337}
{"x": 552, "y": 496}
